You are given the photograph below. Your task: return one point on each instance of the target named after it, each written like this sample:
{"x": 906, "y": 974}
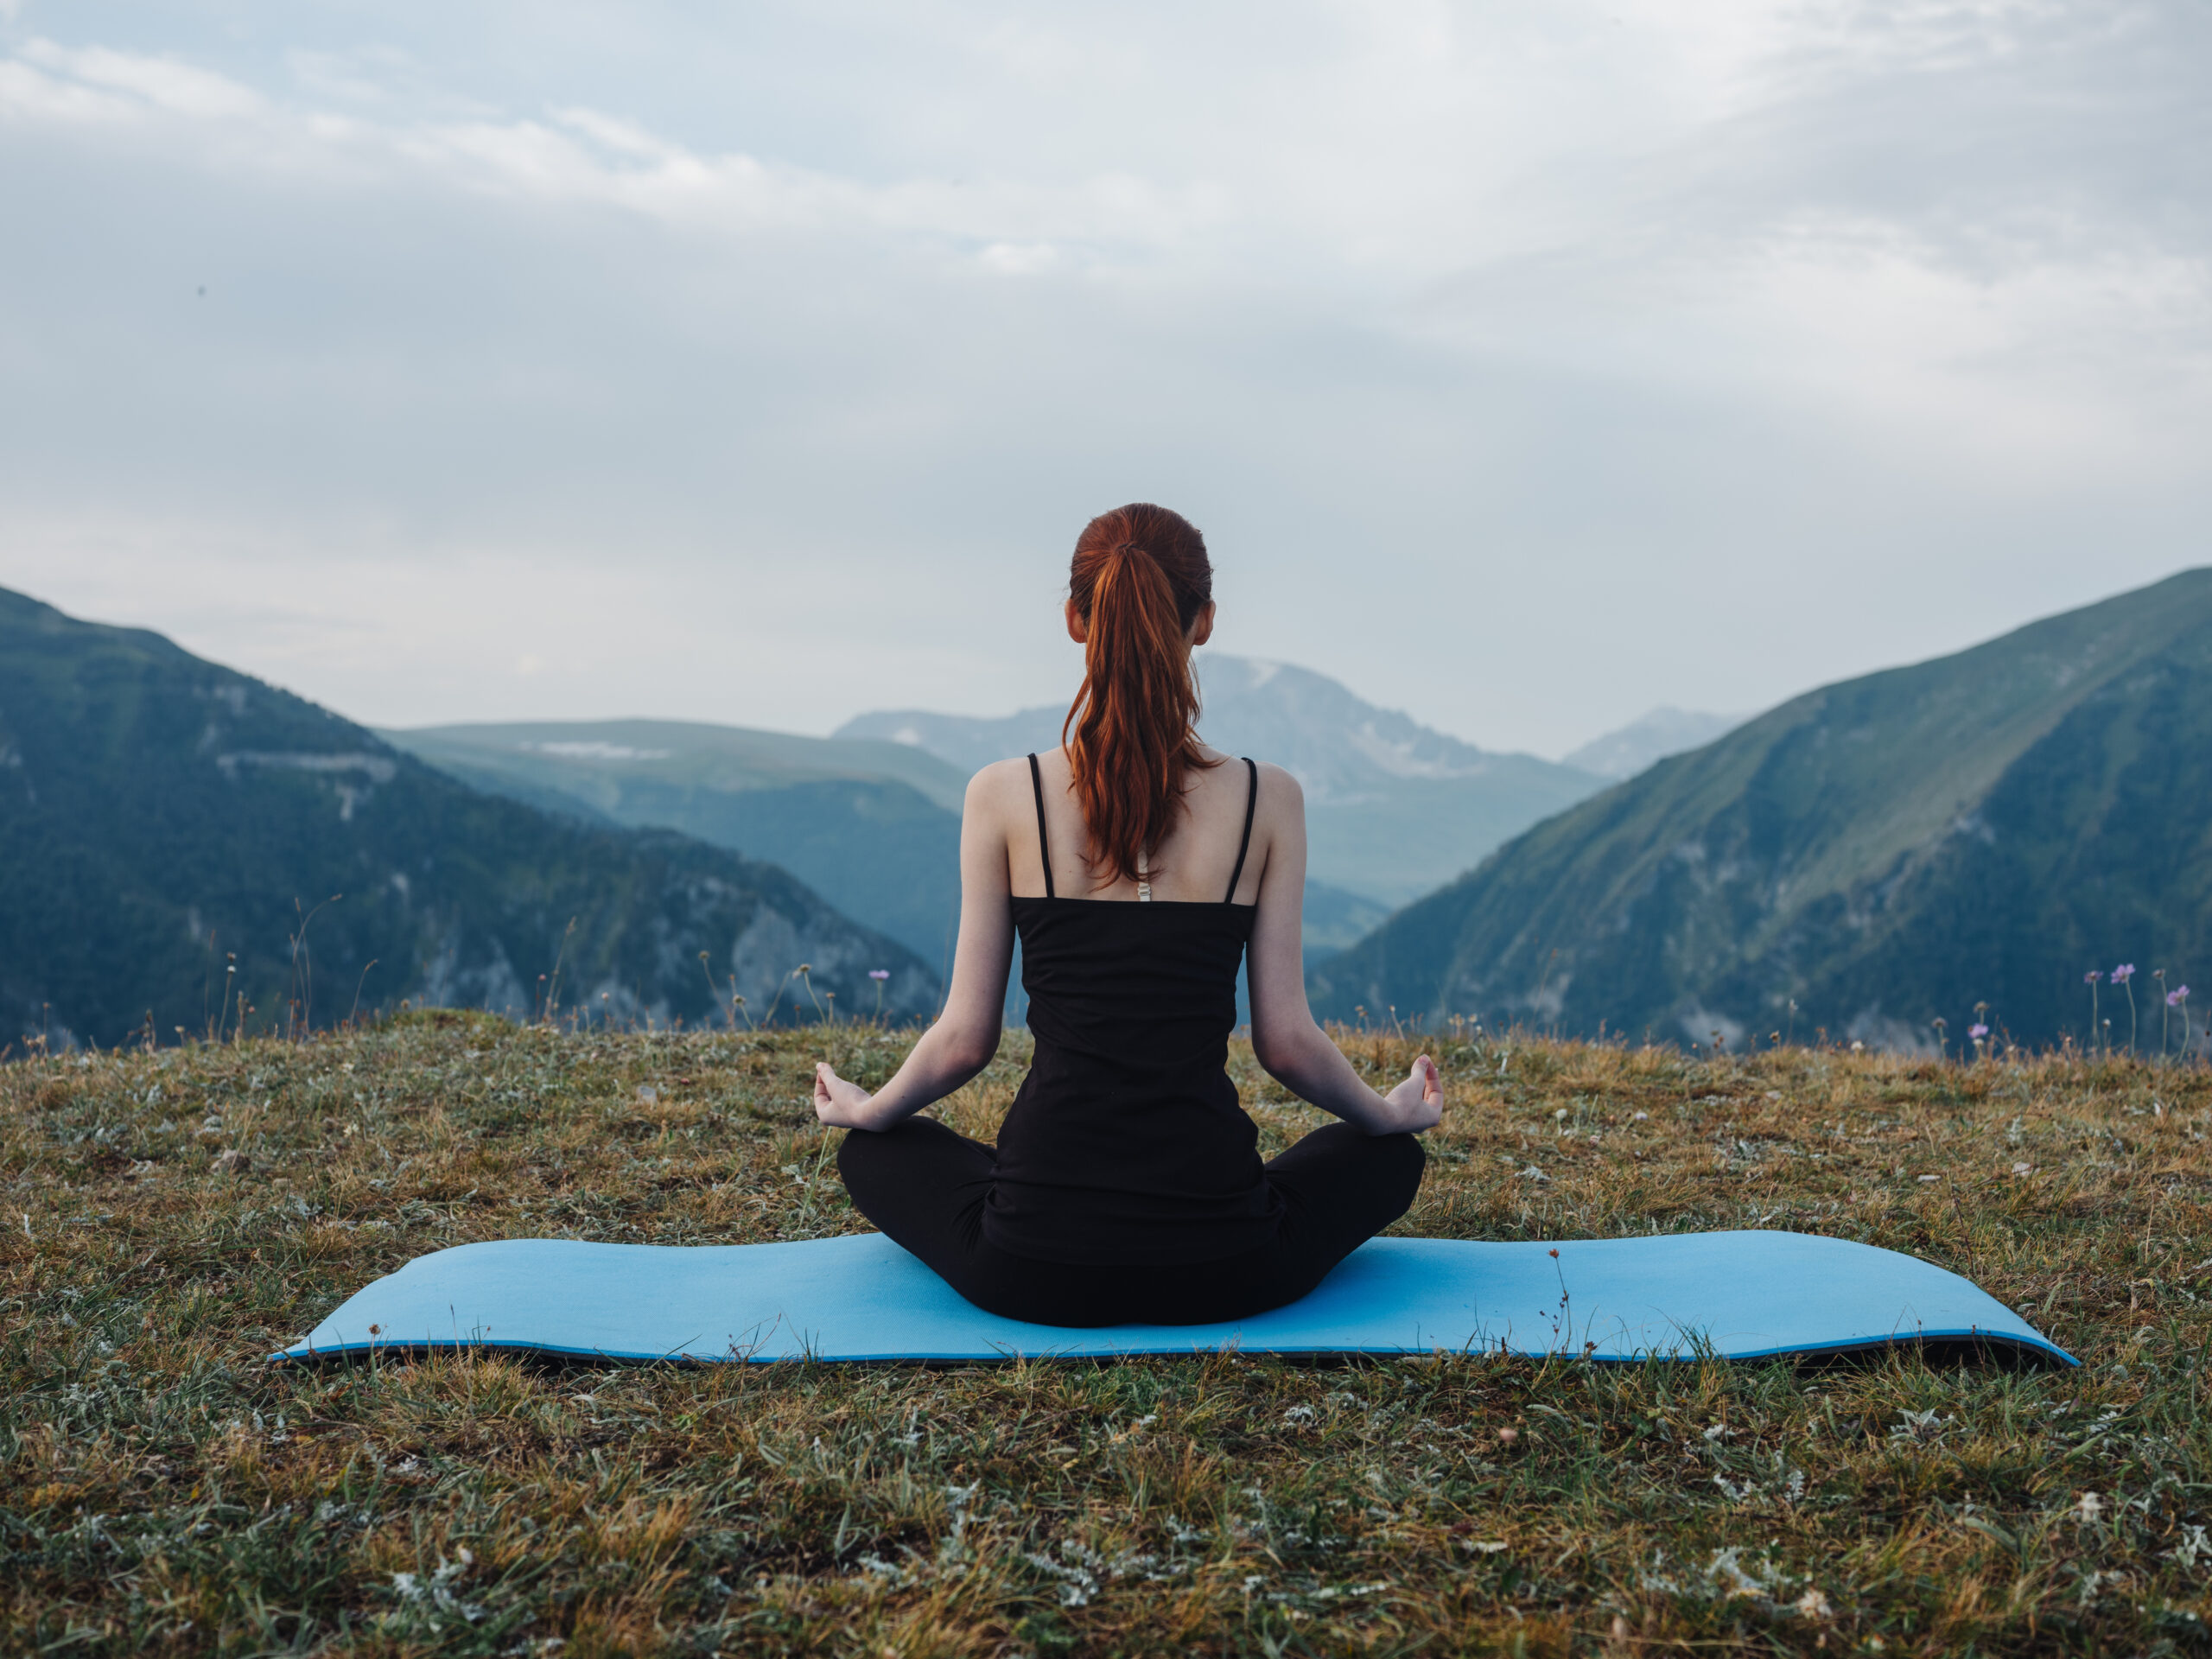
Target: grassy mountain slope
{"x": 1394, "y": 808}
{"x": 1884, "y": 852}
{"x": 159, "y": 812}
{"x": 1208, "y": 1504}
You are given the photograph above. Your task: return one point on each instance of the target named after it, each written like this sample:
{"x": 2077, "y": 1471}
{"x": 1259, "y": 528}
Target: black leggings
{"x": 924, "y": 1186}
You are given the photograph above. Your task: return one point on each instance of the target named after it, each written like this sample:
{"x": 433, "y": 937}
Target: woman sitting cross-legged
{"x": 1138, "y": 866}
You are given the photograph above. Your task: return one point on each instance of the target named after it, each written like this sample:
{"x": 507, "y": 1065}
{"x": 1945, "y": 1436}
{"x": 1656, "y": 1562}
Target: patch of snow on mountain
{"x": 596, "y": 751}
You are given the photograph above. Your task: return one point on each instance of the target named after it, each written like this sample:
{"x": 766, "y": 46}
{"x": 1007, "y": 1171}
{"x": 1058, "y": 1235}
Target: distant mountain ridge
{"x": 868, "y": 817}
{"x": 873, "y": 826}
{"x": 593, "y": 760}
{"x": 1978, "y": 829}
{"x": 159, "y": 813}
{"x": 1342, "y": 749}
{"x": 1650, "y": 739}
{"x": 1394, "y": 808}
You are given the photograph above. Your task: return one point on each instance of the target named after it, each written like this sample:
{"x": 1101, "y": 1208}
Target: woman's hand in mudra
{"x": 1417, "y": 1102}
{"x": 839, "y": 1104}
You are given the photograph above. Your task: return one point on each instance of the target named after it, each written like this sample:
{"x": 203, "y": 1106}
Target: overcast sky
{"x": 1526, "y": 363}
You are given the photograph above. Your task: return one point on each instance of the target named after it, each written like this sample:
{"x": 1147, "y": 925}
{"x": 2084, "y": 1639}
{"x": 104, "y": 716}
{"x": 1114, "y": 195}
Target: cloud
{"x": 1020, "y": 258}
{"x": 1727, "y": 316}
{"x": 576, "y": 157}
{"x": 157, "y": 83}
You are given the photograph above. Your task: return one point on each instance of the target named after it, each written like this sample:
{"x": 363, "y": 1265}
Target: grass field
{"x": 163, "y": 1491}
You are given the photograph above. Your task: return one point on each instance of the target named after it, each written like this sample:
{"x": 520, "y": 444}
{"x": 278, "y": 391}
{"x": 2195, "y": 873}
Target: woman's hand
{"x": 839, "y": 1104}
{"x": 1417, "y": 1102}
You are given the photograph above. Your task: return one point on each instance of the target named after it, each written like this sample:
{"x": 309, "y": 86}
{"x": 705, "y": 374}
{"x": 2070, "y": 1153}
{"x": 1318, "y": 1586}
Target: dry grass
{"x": 163, "y": 1490}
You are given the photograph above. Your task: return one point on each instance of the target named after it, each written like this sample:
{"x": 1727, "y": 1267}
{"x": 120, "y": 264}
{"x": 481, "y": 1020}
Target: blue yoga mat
{"x": 1739, "y": 1295}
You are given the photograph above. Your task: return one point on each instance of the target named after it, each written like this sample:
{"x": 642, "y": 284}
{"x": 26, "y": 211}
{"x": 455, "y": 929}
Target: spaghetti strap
{"x": 1251, "y": 800}
{"x": 1045, "y": 846}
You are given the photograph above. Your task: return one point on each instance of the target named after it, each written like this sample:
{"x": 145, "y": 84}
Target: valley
{"x": 1892, "y": 860}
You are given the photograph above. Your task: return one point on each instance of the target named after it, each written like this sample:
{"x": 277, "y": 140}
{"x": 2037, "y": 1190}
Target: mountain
{"x": 1981, "y": 829}
{"x": 1625, "y": 752}
{"x": 873, "y": 827}
{"x": 599, "y": 762}
{"x": 160, "y": 813}
{"x": 1394, "y": 808}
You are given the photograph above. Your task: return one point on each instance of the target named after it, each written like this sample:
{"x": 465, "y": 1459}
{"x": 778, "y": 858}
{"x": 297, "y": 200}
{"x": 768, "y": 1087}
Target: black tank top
{"x": 1126, "y": 1143}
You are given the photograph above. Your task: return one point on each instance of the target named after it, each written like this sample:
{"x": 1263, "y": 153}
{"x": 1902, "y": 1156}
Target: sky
{"x": 1527, "y": 365}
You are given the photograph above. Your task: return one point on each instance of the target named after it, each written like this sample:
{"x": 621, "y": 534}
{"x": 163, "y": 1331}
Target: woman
{"x": 1137, "y": 865}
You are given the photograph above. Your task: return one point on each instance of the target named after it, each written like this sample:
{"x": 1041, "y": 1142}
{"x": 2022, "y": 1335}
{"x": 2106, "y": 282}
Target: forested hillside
{"x": 165, "y": 821}
{"x": 873, "y": 827}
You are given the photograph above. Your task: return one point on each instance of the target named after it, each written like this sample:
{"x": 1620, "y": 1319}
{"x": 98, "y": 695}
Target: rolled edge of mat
{"x": 1995, "y": 1344}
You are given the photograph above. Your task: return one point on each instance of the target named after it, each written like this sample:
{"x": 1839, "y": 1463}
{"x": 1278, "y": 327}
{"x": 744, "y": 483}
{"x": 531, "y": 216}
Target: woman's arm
{"x": 1296, "y": 1051}
{"x": 966, "y": 1035}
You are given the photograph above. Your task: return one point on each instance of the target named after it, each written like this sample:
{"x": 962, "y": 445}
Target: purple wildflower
{"x": 1977, "y": 1031}
{"x": 2122, "y": 973}
{"x": 2176, "y": 998}
{"x": 878, "y": 973}
{"x": 2091, "y": 977}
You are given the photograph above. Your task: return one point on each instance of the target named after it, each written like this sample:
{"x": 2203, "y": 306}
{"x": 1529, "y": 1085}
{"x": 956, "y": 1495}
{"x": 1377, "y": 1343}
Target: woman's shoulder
{"x": 1002, "y": 779}
{"x": 1277, "y": 783}
{"x": 1279, "y": 799}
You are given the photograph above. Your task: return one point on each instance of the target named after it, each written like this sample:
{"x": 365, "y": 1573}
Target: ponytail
{"x": 1138, "y": 579}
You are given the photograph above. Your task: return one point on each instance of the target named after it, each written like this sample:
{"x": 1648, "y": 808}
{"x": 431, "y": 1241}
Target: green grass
{"x": 163, "y": 1490}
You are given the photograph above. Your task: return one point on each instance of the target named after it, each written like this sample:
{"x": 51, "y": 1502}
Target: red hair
{"x": 1138, "y": 579}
